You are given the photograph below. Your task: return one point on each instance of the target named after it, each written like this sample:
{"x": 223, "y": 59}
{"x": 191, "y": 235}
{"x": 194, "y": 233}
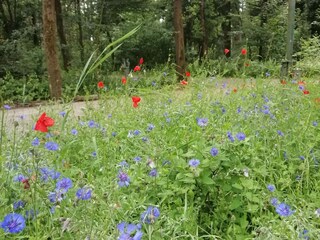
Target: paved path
{"x": 27, "y": 117}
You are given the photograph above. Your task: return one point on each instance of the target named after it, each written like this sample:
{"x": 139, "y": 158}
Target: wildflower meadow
{"x": 207, "y": 158}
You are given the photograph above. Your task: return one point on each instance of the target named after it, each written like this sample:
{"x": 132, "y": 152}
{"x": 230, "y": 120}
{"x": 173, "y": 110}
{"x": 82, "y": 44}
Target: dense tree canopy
{"x": 209, "y": 26}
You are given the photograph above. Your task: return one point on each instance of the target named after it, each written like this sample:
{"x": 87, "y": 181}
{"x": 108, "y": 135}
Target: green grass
{"x": 225, "y": 197}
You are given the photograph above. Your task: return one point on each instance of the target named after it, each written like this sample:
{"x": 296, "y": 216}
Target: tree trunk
{"x": 204, "y": 43}
{"x": 62, "y": 37}
{"x": 50, "y": 47}
{"x": 80, "y": 39}
{"x": 179, "y": 39}
{"x": 226, "y": 27}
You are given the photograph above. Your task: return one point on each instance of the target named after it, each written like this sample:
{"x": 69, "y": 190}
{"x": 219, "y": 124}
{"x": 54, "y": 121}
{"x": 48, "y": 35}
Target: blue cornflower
{"x": 64, "y": 184}
{"x": 153, "y": 172}
{"x": 274, "y": 202}
{"x": 168, "y": 120}
{"x": 129, "y": 231}
{"x": 280, "y": 133}
{"x": 202, "y": 122}
{"x": 239, "y": 110}
{"x": 136, "y": 132}
{"x": 231, "y": 138}
{"x": 315, "y": 124}
{"x": 84, "y": 193}
{"x": 57, "y": 196}
{"x": 109, "y": 115}
{"x": 18, "y": 204}
{"x": 49, "y": 173}
{"x": 214, "y": 152}
{"x": 6, "y": 107}
{"x": 153, "y": 83}
{"x": 145, "y": 139}
{"x": 35, "y": 142}
{"x": 271, "y": 187}
{"x": 302, "y": 158}
{"x": 51, "y": 146}
{"x": 304, "y": 234}
{"x": 124, "y": 179}
{"x": 123, "y": 164}
{"x": 19, "y": 178}
{"x": 62, "y": 114}
{"x": 150, "y": 215}
{"x": 268, "y": 74}
{"x": 94, "y": 154}
{"x": 74, "y": 132}
{"x": 137, "y": 159}
{"x": 223, "y": 110}
{"x": 13, "y": 223}
{"x": 199, "y": 96}
{"x": 114, "y": 134}
{"x": 92, "y": 124}
{"x": 284, "y": 210}
{"x": 301, "y": 87}
{"x": 194, "y": 162}
{"x": 150, "y": 127}
{"x": 241, "y": 136}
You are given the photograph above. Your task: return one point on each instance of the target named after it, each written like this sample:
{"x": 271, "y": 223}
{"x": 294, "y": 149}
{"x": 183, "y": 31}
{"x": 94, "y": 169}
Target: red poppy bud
{"x": 100, "y": 84}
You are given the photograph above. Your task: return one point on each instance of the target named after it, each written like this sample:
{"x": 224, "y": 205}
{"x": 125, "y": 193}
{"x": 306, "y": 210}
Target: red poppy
{"x": 301, "y": 83}
{"x": 243, "y": 51}
{"x": 135, "y": 101}
{"x": 123, "y": 80}
{"x": 235, "y": 90}
{"x": 283, "y": 82}
{"x": 141, "y": 61}
{"x": 184, "y": 82}
{"x": 137, "y": 68}
{"x": 26, "y": 184}
{"x": 100, "y": 84}
{"x": 306, "y": 92}
{"x": 43, "y": 123}
{"x": 226, "y": 51}
{"x": 188, "y": 74}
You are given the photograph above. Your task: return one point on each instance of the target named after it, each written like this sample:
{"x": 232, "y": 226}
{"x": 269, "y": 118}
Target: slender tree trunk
{"x": 226, "y": 27}
{"x": 204, "y": 43}
{"x": 179, "y": 39}
{"x": 50, "y": 47}
{"x": 62, "y": 37}
{"x": 80, "y": 39}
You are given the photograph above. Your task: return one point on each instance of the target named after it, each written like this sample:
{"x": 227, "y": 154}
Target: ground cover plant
{"x": 207, "y": 159}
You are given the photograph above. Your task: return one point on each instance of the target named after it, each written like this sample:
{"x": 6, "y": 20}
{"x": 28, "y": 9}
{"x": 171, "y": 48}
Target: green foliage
{"x": 309, "y": 57}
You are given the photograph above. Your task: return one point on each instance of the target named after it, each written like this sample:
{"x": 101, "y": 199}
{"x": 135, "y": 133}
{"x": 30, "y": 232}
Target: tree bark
{"x": 66, "y": 58}
{"x": 50, "y": 47}
{"x": 226, "y": 27}
{"x": 204, "y": 43}
{"x": 179, "y": 39}
{"x": 80, "y": 39}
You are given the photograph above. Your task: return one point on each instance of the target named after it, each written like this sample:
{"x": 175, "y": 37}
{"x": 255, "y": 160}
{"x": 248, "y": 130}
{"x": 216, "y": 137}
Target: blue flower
{"x": 231, "y": 138}
{"x": 18, "y": 204}
{"x": 315, "y": 124}
{"x": 304, "y": 234}
{"x": 194, "y": 162}
{"x": 317, "y": 212}
{"x": 280, "y": 133}
{"x": 202, "y": 122}
{"x": 57, "y": 196}
{"x": 274, "y": 202}
{"x": 239, "y": 110}
{"x": 62, "y": 114}
{"x": 124, "y": 179}
{"x": 51, "y": 146}
{"x": 94, "y": 154}
{"x": 136, "y": 132}
{"x": 64, "y": 184}
{"x": 129, "y": 231}
{"x": 223, "y": 110}
{"x": 114, "y": 134}
{"x": 123, "y": 164}
{"x": 137, "y": 159}
{"x": 153, "y": 172}
{"x": 74, "y": 132}
{"x": 268, "y": 74}
{"x": 150, "y": 215}
{"x": 150, "y": 127}
{"x": 7, "y": 107}
{"x": 19, "y": 178}
{"x": 13, "y": 223}
{"x": 214, "y": 152}
{"x": 92, "y": 124}
{"x": 84, "y": 193}
{"x": 241, "y": 136}
{"x": 284, "y": 210}
{"x": 302, "y": 158}
{"x": 271, "y": 187}
{"x": 35, "y": 142}
{"x": 145, "y": 139}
